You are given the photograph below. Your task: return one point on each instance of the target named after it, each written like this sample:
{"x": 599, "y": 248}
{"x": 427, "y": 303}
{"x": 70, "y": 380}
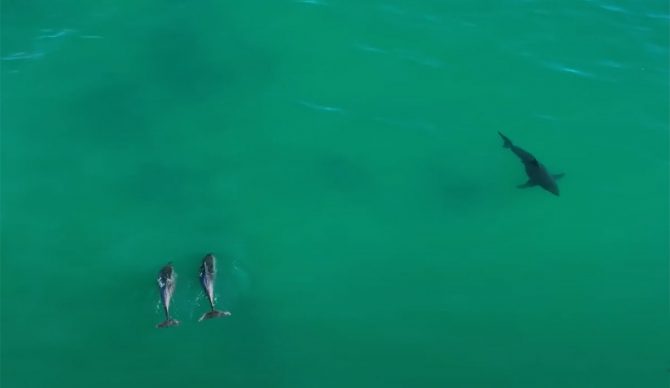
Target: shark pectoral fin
{"x": 527, "y": 185}
{"x": 558, "y": 176}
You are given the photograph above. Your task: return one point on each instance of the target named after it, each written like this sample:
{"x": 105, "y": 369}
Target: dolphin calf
{"x": 537, "y": 173}
{"x": 167, "y": 279}
{"x": 207, "y": 276}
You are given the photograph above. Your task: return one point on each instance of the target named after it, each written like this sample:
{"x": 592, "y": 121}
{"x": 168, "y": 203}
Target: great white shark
{"x": 536, "y": 172}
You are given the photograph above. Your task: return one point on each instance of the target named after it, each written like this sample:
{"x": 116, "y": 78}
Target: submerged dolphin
{"x": 537, "y": 173}
{"x": 167, "y": 278}
{"x": 207, "y": 276}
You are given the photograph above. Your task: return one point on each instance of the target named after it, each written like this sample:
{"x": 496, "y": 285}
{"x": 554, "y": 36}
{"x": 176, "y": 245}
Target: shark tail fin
{"x": 507, "y": 143}
{"x": 168, "y": 323}
{"x": 214, "y": 314}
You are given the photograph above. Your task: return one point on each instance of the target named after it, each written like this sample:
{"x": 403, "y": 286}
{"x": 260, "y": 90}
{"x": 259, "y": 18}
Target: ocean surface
{"x": 341, "y": 158}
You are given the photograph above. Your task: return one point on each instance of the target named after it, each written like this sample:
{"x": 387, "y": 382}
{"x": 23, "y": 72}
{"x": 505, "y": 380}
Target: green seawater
{"x": 341, "y": 159}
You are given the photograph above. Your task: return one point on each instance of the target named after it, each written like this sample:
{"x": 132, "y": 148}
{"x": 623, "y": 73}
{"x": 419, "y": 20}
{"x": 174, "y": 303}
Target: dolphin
{"x": 167, "y": 279}
{"x": 207, "y": 276}
{"x": 537, "y": 173}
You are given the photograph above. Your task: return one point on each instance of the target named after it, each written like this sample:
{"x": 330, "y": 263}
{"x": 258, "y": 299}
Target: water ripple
{"x": 419, "y": 58}
{"x": 371, "y": 49}
{"x": 51, "y": 34}
{"x": 611, "y": 64}
{"x": 47, "y": 41}
{"x": 311, "y": 2}
{"x": 613, "y": 8}
{"x": 662, "y": 16}
{"x": 403, "y": 54}
{"x": 322, "y": 108}
{"x": 23, "y": 55}
{"x": 567, "y": 69}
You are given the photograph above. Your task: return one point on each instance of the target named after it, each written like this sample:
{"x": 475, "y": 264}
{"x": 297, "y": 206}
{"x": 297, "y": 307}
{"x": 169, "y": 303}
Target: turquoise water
{"x": 342, "y": 160}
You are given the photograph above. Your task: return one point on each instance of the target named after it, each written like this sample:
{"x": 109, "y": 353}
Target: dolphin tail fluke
{"x": 214, "y": 314}
{"x": 507, "y": 143}
{"x": 168, "y": 323}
